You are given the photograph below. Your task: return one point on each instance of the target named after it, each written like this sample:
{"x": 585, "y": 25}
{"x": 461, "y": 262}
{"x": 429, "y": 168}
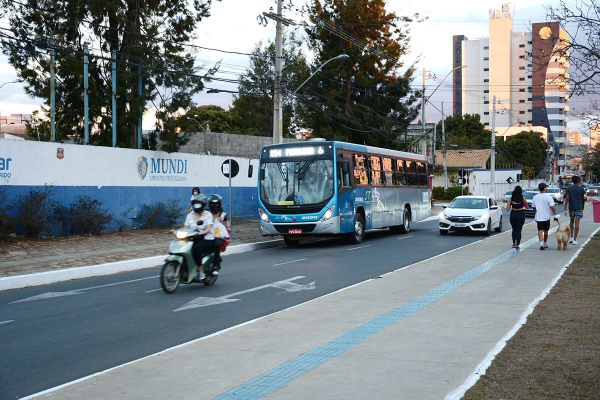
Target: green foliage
{"x": 34, "y": 212}
{"x": 252, "y": 110}
{"x": 85, "y": 215}
{"x": 440, "y": 194}
{"x": 218, "y": 120}
{"x": 465, "y": 132}
{"x": 167, "y": 213}
{"x": 591, "y": 160}
{"x": 525, "y": 148}
{"x": 7, "y": 222}
{"x": 366, "y": 98}
{"x": 143, "y": 33}
{"x": 173, "y": 211}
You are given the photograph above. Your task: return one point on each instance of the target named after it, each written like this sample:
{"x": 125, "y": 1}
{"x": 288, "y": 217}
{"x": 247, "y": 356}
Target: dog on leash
{"x": 563, "y": 234}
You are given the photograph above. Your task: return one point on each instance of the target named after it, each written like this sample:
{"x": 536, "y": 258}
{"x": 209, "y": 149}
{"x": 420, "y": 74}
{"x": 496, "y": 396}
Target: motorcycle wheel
{"x": 169, "y": 280}
{"x": 210, "y": 280}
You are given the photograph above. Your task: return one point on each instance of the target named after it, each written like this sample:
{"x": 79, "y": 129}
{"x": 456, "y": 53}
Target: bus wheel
{"x": 359, "y": 230}
{"x": 405, "y": 227}
{"x": 290, "y": 242}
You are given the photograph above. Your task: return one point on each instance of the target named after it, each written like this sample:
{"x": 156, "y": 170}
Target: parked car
{"x": 592, "y": 191}
{"x": 529, "y": 197}
{"x": 471, "y": 214}
{"x": 507, "y": 196}
{"x": 556, "y": 194}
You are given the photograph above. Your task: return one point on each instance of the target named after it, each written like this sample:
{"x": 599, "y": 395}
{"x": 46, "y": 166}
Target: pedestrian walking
{"x": 575, "y": 201}
{"x": 543, "y": 210}
{"x": 195, "y": 192}
{"x": 517, "y": 205}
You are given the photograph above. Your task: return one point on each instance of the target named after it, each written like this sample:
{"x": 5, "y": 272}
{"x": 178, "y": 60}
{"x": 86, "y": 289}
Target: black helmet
{"x": 199, "y": 203}
{"x": 215, "y": 203}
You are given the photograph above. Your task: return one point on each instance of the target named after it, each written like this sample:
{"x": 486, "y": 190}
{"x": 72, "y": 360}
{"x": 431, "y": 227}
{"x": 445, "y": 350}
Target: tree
{"x": 253, "y": 108}
{"x": 147, "y": 36}
{"x": 591, "y": 160}
{"x": 465, "y": 132}
{"x": 525, "y": 148}
{"x": 581, "y": 21}
{"x": 366, "y": 98}
{"x": 217, "y": 118}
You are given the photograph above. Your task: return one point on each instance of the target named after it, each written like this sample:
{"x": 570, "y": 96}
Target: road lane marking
{"x": 270, "y": 381}
{"x": 289, "y": 262}
{"x": 361, "y": 247}
{"x": 50, "y": 295}
{"x": 7, "y": 322}
{"x": 155, "y": 290}
{"x": 405, "y": 237}
{"x": 286, "y": 285}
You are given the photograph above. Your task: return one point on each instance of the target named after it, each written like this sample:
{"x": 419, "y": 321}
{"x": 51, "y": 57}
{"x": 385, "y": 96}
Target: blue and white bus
{"x": 321, "y": 188}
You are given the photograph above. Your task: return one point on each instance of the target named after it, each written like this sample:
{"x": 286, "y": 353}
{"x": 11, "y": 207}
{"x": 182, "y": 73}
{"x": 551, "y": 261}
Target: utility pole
{"x": 114, "y": 98}
{"x": 277, "y": 111}
{"x": 139, "y": 132}
{"x": 493, "y": 155}
{"x": 444, "y": 150}
{"x": 424, "y": 148}
{"x": 86, "y": 122}
{"x": 52, "y": 93}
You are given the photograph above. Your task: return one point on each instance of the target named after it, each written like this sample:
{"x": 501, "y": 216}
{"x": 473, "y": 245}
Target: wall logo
{"x": 142, "y": 167}
{"x": 5, "y": 168}
{"x": 60, "y": 153}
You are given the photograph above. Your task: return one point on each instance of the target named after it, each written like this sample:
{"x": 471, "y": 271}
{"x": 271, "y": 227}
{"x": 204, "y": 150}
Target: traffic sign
{"x": 235, "y": 168}
{"x": 509, "y": 179}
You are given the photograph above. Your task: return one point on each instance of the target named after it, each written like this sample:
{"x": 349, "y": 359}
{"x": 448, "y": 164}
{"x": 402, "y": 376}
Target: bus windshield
{"x": 564, "y": 181}
{"x": 296, "y": 182}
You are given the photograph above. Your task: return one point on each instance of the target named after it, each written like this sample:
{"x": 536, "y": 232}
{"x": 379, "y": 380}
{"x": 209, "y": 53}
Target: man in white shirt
{"x": 543, "y": 210}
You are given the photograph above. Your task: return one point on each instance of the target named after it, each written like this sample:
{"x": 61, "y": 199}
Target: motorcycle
{"x": 180, "y": 266}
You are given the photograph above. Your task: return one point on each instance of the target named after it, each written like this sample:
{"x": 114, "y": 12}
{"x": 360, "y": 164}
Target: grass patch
{"x": 556, "y": 354}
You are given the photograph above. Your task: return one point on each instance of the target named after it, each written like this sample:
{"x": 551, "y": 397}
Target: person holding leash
{"x": 543, "y": 210}
{"x": 518, "y": 203}
{"x": 574, "y": 199}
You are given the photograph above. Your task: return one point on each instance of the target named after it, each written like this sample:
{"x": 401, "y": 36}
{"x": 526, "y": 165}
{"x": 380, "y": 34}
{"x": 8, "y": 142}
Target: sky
{"x": 233, "y": 26}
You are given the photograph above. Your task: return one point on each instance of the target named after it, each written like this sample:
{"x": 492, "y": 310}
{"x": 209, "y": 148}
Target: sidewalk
{"x": 417, "y": 333}
{"x": 20, "y": 256}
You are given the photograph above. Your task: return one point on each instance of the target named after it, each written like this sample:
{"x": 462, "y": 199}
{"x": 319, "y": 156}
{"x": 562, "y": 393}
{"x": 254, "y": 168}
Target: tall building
{"x": 573, "y": 138}
{"x": 522, "y": 69}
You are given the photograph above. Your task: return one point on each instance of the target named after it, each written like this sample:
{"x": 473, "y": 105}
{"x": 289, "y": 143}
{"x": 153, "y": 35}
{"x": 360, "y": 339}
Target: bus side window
{"x": 345, "y": 173}
{"x": 411, "y": 173}
{"x": 388, "y": 174}
{"x": 361, "y": 176}
{"x": 400, "y": 173}
{"x": 375, "y": 163}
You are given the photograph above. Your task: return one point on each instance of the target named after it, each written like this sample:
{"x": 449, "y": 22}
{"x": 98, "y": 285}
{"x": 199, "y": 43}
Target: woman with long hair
{"x": 517, "y": 205}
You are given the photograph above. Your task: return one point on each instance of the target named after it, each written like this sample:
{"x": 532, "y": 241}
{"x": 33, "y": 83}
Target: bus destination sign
{"x": 298, "y": 151}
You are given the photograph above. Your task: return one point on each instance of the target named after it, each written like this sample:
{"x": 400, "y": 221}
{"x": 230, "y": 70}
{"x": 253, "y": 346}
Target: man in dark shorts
{"x": 543, "y": 210}
{"x": 574, "y": 199}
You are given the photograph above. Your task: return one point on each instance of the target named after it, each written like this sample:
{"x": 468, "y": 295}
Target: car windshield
{"x": 508, "y": 193}
{"x": 553, "y": 190}
{"x": 593, "y": 187}
{"x": 469, "y": 203}
{"x": 530, "y": 195}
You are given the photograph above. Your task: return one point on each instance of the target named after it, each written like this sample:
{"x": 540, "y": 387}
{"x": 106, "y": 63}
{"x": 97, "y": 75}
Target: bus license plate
{"x": 460, "y": 225}
{"x": 294, "y": 231}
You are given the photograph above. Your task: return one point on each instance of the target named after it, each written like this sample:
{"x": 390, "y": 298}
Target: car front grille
{"x": 461, "y": 219}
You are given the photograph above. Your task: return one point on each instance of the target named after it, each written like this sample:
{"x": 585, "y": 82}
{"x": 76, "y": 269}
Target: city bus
{"x": 332, "y": 188}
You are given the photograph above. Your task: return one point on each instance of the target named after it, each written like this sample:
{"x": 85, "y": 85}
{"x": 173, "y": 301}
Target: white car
{"x": 556, "y": 194}
{"x": 471, "y": 213}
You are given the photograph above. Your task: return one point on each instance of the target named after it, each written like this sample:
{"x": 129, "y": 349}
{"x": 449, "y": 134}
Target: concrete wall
{"x": 225, "y": 144}
{"x": 124, "y": 179}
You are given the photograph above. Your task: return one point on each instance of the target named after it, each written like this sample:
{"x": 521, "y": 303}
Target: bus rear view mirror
{"x": 250, "y": 170}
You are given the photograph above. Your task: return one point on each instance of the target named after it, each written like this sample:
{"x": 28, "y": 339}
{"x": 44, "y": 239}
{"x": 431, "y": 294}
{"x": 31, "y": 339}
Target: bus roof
{"x": 355, "y": 147}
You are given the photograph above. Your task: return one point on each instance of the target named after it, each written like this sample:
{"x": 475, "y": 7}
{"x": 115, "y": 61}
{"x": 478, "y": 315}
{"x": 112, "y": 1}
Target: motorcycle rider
{"x": 215, "y": 205}
{"x": 202, "y": 221}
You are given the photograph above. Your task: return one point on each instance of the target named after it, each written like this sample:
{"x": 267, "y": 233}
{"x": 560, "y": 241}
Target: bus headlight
{"x": 328, "y": 214}
{"x": 263, "y": 216}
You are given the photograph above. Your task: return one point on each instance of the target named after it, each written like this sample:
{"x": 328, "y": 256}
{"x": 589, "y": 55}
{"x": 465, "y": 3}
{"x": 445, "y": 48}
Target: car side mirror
{"x": 493, "y": 207}
{"x": 444, "y": 206}
{"x": 250, "y": 170}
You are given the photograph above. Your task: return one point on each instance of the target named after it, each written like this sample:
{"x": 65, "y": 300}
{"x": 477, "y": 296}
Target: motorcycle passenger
{"x": 215, "y": 205}
{"x": 202, "y": 221}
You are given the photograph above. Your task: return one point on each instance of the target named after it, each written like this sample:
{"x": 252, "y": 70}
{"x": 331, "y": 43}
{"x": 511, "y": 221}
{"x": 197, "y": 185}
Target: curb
{"x": 45, "y": 278}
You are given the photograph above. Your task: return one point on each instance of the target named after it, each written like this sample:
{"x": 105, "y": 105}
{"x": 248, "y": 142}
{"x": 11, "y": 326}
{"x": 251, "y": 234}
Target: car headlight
{"x": 484, "y": 216}
{"x": 328, "y": 214}
{"x": 263, "y": 216}
{"x": 443, "y": 215}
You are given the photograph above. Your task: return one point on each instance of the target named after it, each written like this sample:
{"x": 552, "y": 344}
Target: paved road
{"x": 103, "y": 322}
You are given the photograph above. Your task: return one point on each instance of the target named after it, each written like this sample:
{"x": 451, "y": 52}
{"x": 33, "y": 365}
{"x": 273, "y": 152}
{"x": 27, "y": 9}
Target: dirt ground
{"x": 556, "y": 354}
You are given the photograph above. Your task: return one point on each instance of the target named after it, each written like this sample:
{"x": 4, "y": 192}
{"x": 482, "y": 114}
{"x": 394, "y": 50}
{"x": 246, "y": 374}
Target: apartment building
{"x": 522, "y": 69}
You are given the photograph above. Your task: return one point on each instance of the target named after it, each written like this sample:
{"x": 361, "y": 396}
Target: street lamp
{"x": 340, "y": 57}
{"x": 207, "y": 130}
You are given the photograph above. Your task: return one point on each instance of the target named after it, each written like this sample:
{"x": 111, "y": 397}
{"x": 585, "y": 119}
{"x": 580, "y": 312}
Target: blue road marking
{"x": 277, "y": 378}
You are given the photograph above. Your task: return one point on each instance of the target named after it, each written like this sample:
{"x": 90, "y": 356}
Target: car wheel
{"x": 488, "y": 231}
{"x": 359, "y": 230}
{"x": 405, "y": 227}
{"x": 443, "y": 232}
{"x": 290, "y": 242}
{"x": 499, "y": 228}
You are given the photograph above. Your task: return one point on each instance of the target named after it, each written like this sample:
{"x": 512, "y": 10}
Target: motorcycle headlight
{"x": 328, "y": 214}
{"x": 181, "y": 235}
{"x": 263, "y": 216}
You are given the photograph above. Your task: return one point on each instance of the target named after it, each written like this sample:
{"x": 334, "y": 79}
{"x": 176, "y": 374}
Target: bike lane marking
{"x": 405, "y": 237}
{"x": 7, "y": 322}
{"x": 289, "y": 262}
{"x": 360, "y": 247}
{"x": 293, "y": 369}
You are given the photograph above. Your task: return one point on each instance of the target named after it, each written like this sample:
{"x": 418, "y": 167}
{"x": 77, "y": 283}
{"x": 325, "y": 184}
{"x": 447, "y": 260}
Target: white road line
{"x": 150, "y": 291}
{"x": 361, "y": 247}
{"x": 435, "y": 230}
{"x": 289, "y": 262}
{"x": 406, "y": 237}
{"x": 7, "y": 322}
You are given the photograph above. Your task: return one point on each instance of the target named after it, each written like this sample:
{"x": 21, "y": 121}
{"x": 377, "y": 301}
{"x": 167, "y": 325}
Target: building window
{"x": 521, "y": 112}
{"x": 529, "y": 76}
{"x": 521, "y": 79}
{"x": 530, "y": 99}
{"x": 521, "y": 46}
{"x": 486, "y": 80}
{"x": 486, "y": 102}
{"x": 529, "y": 65}
{"x": 530, "y": 122}
{"x": 561, "y": 99}
{"x": 486, "y": 91}
{"x": 521, "y": 90}
{"x": 486, "y": 48}
{"x": 486, "y": 69}
{"x": 486, "y": 124}
{"x": 530, "y": 42}
{"x": 486, "y": 58}
{"x": 529, "y": 110}
{"x": 521, "y": 101}
{"x": 521, "y": 67}
{"x": 522, "y": 57}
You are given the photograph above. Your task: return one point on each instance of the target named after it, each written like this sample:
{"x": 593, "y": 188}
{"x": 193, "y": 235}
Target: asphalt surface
{"x": 112, "y": 320}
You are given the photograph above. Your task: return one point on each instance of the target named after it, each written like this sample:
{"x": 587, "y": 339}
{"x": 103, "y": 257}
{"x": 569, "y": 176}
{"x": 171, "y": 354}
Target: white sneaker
{"x": 571, "y": 241}
{"x": 574, "y": 242}
{"x": 545, "y": 245}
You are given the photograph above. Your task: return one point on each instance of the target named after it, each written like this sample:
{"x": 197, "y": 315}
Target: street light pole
{"x": 341, "y": 56}
{"x": 205, "y": 130}
{"x": 493, "y": 155}
{"x": 277, "y": 95}
{"x": 444, "y": 150}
